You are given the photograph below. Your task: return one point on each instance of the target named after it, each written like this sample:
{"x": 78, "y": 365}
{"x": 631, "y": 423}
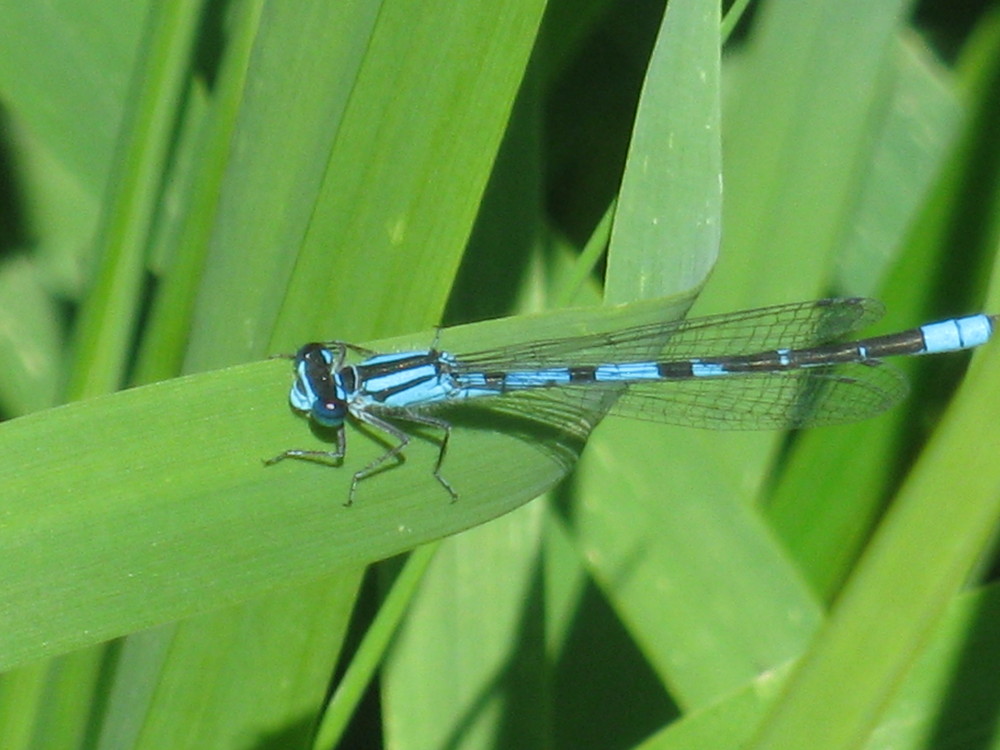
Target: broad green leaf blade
{"x": 920, "y": 119}
{"x": 726, "y": 724}
{"x": 604, "y": 693}
{"x": 805, "y": 111}
{"x": 477, "y": 628}
{"x": 824, "y": 515}
{"x": 668, "y": 221}
{"x": 406, "y": 175}
{"x": 177, "y": 688}
{"x": 302, "y": 72}
{"x": 727, "y": 603}
{"x": 949, "y": 699}
{"x": 946, "y": 699}
{"x": 162, "y": 489}
{"x": 651, "y": 516}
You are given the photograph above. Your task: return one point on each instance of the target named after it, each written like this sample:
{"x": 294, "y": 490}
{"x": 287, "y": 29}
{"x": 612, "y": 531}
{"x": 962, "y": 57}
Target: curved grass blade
{"x": 121, "y": 512}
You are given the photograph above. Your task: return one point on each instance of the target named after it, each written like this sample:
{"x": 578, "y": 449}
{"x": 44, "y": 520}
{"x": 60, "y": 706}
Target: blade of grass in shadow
{"x": 370, "y": 652}
{"x": 825, "y": 523}
{"x": 920, "y": 557}
{"x": 916, "y": 712}
{"x": 239, "y": 672}
{"x": 165, "y": 339}
{"x": 110, "y": 311}
{"x": 643, "y": 521}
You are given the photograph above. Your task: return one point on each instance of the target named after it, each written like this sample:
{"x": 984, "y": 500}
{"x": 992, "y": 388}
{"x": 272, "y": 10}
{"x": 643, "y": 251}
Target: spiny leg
{"x": 371, "y": 468}
{"x": 335, "y": 455}
{"x": 446, "y": 428}
{"x": 404, "y": 440}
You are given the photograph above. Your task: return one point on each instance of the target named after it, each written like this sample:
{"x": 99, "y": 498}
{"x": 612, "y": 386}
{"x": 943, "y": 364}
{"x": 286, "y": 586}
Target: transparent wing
{"x": 790, "y": 399}
{"x": 771, "y": 400}
{"x": 797, "y": 325}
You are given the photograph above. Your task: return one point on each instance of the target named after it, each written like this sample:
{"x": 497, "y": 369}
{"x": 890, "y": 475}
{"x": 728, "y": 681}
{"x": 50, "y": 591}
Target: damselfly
{"x": 771, "y": 367}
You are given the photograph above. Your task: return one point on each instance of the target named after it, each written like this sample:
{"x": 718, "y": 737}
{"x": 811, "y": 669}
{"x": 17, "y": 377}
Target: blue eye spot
{"x": 328, "y": 414}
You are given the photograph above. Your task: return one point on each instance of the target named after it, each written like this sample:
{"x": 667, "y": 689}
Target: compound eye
{"x": 301, "y": 396}
{"x": 314, "y": 353}
{"x": 328, "y": 413}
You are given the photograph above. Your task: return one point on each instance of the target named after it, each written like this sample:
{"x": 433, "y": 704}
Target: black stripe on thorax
{"x": 368, "y": 370}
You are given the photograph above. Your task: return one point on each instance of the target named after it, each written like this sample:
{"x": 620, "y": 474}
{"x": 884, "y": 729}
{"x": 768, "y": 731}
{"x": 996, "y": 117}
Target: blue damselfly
{"x": 772, "y": 367}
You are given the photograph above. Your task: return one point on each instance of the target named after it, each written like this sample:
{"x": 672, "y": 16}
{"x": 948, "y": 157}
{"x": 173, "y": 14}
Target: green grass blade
{"x": 943, "y": 518}
{"x": 919, "y": 559}
{"x": 302, "y": 72}
{"x": 825, "y": 517}
{"x": 110, "y": 312}
{"x": 476, "y": 629}
{"x": 401, "y": 189}
{"x": 800, "y": 124}
{"x": 166, "y": 476}
{"x": 372, "y": 649}
{"x": 667, "y": 226}
{"x": 207, "y": 681}
{"x": 663, "y": 524}
{"x": 165, "y": 339}
{"x": 947, "y": 698}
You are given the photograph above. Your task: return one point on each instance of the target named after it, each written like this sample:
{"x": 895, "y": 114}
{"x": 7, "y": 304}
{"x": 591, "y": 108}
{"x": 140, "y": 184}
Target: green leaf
{"x": 110, "y": 312}
{"x": 77, "y": 115}
{"x": 163, "y": 478}
{"x": 668, "y": 220}
{"x": 727, "y": 600}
